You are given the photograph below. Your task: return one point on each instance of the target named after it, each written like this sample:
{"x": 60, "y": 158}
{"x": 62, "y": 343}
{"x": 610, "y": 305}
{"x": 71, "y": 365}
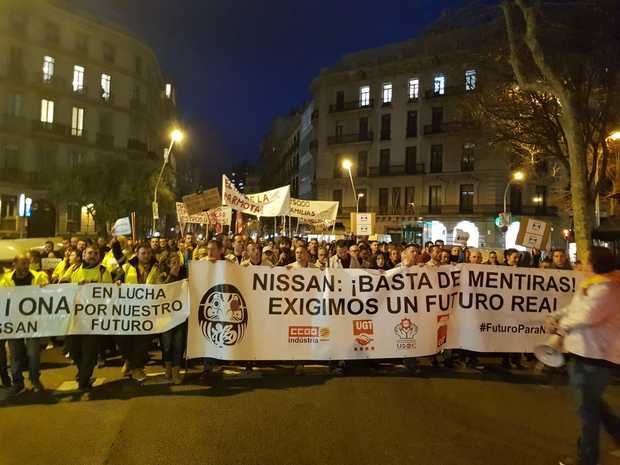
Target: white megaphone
{"x": 550, "y": 353}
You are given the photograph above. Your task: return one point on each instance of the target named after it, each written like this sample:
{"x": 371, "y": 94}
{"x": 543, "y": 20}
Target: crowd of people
{"x": 161, "y": 260}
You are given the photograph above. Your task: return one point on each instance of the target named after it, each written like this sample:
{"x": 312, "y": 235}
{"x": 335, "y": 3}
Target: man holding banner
{"x": 24, "y": 349}
{"x": 84, "y": 347}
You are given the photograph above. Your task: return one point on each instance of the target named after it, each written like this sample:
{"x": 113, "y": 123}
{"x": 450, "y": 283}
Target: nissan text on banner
{"x": 304, "y": 314}
{"x": 275, "y": 202}
{"x": 66, "y": 309}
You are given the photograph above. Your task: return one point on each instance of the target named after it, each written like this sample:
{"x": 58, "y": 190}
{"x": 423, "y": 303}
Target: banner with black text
{"x": 65, "y": 309}
{"x": 304, "y": 314}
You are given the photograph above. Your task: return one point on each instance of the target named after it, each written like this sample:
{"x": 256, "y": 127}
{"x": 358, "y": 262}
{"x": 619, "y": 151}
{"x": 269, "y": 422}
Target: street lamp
{"x": 517, "y": 176}
{"x": 357, "y": 205}
{"x": 347, "y": 164}
{"x": 175, "y": 136}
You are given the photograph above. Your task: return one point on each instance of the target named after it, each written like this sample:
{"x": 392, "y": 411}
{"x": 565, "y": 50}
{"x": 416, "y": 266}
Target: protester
{"x": 560, "y": 260}
{"x": 322, "y": 260}
{"x": 24, "y": 350}
{"x": 59, "y": 270}
{"x": 238, "y": 254}
{"x": 434, "y": 251}
{"x": 492, "y": 259}
{"x": 255, "y": 255}
{"x": 84, "y": 348}
{"x": 343, "y": 258}
{"x": 591, "y": 325}
{"x": 142, "y": 269}
{"x": 4, "y": 368}
{"x": 173, "y": 341}
{"x": 302, "y": 259}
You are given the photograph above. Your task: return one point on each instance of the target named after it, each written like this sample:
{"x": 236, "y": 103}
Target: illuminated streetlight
{"x": 614, "y": 136}
{"x": 517, "y": 176}
{"x": 538, "y": 199}
{"x": 347, "y": 165}
{"x": 176, "y": 135}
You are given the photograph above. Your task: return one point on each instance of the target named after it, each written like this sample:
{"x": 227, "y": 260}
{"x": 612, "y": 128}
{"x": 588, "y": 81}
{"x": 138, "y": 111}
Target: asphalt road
{"x": 442, "y": 417}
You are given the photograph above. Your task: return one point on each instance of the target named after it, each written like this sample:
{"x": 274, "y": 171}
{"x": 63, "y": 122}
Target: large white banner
{"x": 65, "y": 309}
{"x": 275, "y": 202}
{"x": 301, "y": 314}
{"x": 314, "y": 211}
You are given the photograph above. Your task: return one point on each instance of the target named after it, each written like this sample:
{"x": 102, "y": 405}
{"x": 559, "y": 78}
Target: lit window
{"x": 470, "y": 79}
{"x": 387, "y": 92}
{"x": 78, "y": 78}
{"x": 47, "y": 111}
{"x": 414, "y": 89}
{"x": 439, "y": 85}
{"x": 106, "y": 83}
{"x": 48, "y": 68}
{"x": 77, "y": 122}
{"x": 168, "y": 90}
{"x": 364, "y": 96}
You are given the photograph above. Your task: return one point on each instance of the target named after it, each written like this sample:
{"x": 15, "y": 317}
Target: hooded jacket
{"x": 592, "y": 319}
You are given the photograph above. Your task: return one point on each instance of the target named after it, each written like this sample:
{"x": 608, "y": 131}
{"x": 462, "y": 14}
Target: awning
{"x": 609, "y": 230}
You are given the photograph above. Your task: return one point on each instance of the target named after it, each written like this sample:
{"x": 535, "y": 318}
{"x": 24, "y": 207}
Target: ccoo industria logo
{"x": 223, "y": 315}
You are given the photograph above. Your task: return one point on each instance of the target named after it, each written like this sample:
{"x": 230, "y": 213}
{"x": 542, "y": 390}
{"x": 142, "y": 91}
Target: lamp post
{"x": 357, "y": 204}
{"x": 517, "y": 176}
{"x": 175, "y": 136}
{"x": 346, "y": 164}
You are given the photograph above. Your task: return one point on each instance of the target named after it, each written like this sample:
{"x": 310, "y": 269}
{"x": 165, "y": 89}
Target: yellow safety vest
{"x": 40, "y": 279}
{"x": 131, "y": 274}
{"x": 96, "y": 274}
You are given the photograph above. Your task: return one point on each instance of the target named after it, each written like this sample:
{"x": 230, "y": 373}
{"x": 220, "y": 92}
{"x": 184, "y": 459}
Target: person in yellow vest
{"x": 75, "y": 261}
{"x": 60, "y": 269}
{"x": 84, "y": 347}
{"x": 30, "y": 348}
{"x": 142, "y": 269}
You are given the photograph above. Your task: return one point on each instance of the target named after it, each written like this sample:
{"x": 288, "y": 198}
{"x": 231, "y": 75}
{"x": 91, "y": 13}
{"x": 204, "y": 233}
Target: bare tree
{"x": 565, "y": 59}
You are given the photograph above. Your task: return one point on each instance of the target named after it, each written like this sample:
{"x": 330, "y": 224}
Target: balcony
{"x": 480, "y": 210}
{"x": 349, "y": 138}
{"x": 54, "y": 129}
{"x": 350, "y": 106}
{"x": 78, "y": 133}
{"x": 397, "y": 170}
{"x": 450, "y": 127}
{"x": 137, "y": 145}
{"x": 105, "y": 140}
{"x": 107, "y": 98}
{"x": 81, "y": 91}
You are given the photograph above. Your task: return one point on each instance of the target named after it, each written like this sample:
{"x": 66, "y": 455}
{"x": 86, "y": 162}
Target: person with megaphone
{"x": 590, "y": 327}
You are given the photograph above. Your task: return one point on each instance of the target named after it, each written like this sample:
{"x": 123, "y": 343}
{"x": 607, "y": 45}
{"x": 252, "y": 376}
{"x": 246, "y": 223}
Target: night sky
{"x": 239, "y": 63}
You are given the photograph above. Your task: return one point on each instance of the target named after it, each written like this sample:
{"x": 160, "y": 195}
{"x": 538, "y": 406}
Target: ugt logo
{"x": 223, "y": 315}
{"x": 363, "y": 332}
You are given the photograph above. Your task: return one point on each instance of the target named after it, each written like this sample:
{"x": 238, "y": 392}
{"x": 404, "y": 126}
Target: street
{"x": 385, "y": 416}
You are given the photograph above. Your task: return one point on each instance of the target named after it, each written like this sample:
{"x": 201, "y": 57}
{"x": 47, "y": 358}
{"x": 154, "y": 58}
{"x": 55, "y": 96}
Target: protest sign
{"x": 184, "y": 217}
{"x": 275, "y": 202}
{"x": 533, "y": 234}
{"x": 302, "y": 314}
{"x": 314, "y": 211}
{"x": 66, "y": 309}
{"x": 203, "y": 201}
{"x": 49, "y": 263}
{"x": 122, "y": 227}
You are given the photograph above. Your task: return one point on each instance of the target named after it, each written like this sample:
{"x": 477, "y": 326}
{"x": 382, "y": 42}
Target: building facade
{"x": 400, "y": 115}
{"x": 72, "y": 90}
{"x": 280, "y": 153}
